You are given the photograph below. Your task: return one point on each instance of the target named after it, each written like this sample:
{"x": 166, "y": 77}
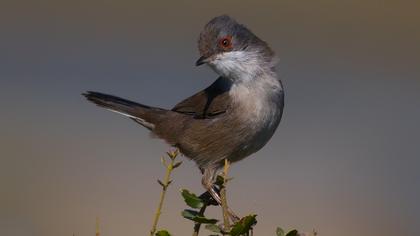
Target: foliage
{"x": 198, "y": 205}
{"x": 163, "y": 233}
{"x": 280, "y": 232}
{"x": 191, "y": 199}
{"x": 197, "y": 217}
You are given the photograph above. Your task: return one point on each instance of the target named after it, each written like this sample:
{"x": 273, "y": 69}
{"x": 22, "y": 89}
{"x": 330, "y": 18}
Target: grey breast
{"x": 207, "y": 126}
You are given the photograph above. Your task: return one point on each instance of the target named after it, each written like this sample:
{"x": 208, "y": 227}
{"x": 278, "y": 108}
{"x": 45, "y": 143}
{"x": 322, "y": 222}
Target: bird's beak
{"x": 201, "y": 61}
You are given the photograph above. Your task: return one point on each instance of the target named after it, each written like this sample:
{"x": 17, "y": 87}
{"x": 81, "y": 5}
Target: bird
{"x": 232, "y": 118}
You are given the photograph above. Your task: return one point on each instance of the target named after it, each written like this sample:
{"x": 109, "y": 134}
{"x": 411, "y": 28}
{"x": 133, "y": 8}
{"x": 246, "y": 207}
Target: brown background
{"x": 344, "y": 160}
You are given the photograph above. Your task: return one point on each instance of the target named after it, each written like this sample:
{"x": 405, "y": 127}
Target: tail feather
{"x": 140, "y": 113}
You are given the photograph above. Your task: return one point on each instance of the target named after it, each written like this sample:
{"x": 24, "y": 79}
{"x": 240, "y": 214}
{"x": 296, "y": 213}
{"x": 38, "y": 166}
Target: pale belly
{"x": 245, "y": 128}
{"x": 259, "y": 131}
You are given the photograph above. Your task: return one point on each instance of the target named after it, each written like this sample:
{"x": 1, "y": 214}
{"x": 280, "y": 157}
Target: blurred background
{"x": 344, "y": 160}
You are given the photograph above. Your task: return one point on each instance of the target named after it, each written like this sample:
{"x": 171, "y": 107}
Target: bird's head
{"x": 232, "y": 50}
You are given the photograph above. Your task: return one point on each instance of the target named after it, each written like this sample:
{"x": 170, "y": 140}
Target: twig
{"x": 226, "y": 222}
{"x": 208, "y": 201}
{"x": 166, "y": 182}
{"x": 98, "y": 233}
{"x": 197, "y": 225}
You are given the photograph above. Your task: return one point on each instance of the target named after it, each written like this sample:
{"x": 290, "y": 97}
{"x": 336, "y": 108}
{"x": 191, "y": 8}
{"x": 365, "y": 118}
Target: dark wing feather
{"x": 209, "y": 102}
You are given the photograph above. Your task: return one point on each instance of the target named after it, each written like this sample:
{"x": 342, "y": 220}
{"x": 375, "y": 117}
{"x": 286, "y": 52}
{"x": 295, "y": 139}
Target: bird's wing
{"x": 209, "y": 102}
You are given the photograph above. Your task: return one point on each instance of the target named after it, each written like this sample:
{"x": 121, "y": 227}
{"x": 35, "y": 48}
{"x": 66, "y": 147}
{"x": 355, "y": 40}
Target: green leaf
{"x": 163, "y": 233}
{"x": 243, "y": 226}
{"x": 249, "y": 221}
{"x": 279, "y": 231}
{"x": 189, "y": 214}
{"x": 237, "y": 229}
{"x": 292, "y": 233}
{"x": 213, "y": 228}
{"x": 196, "y": 217}
{"x": 191, "y": 199}
{"x": 219, "y": 181}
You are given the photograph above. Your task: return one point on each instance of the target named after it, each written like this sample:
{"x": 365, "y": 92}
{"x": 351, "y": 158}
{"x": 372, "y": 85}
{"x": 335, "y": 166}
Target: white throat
{"x": 257, "y": 96}
{"x": 240, "y": 65}
{"x": 255, "y": 87}
{"x": 255, "y": 83}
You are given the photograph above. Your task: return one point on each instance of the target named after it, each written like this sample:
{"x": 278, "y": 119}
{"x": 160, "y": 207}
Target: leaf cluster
{"x": 242, "y": 227}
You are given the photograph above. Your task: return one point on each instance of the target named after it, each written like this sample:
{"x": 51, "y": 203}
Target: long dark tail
{"x": 142, "y": 114}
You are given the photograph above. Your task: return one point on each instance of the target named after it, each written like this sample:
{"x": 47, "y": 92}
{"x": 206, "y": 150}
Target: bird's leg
{"x": 208, "y": 183}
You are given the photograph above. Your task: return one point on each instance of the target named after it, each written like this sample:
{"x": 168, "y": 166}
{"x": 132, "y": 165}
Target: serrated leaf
{"x": 163, "y": 233}
{"x": 243, "y": 226}
{"x": 292, "y": 233}
{"x": 279, "y": 231}
{"x": 213, "y": 228}
{"x": 196, "y": 217}
{"x": 191, "y": 199}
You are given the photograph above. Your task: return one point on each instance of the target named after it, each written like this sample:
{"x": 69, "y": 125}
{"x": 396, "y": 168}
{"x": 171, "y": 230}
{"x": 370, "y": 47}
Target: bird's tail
{"x": 142, "y": 114}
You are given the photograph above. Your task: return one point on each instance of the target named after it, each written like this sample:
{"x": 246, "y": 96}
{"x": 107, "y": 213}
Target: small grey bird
{"x": 232, "y": 118}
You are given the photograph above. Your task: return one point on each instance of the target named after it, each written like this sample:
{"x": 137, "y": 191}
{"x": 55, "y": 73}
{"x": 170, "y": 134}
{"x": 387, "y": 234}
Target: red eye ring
{"x": 226, "y": 42}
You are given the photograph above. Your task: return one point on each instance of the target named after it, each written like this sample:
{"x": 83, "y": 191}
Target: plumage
{"x": 233, "y": 117}
{"x": 209, "y": 102}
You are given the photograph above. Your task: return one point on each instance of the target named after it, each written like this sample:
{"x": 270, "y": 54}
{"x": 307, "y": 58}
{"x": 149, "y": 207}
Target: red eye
{"x": 226, "y": 42}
